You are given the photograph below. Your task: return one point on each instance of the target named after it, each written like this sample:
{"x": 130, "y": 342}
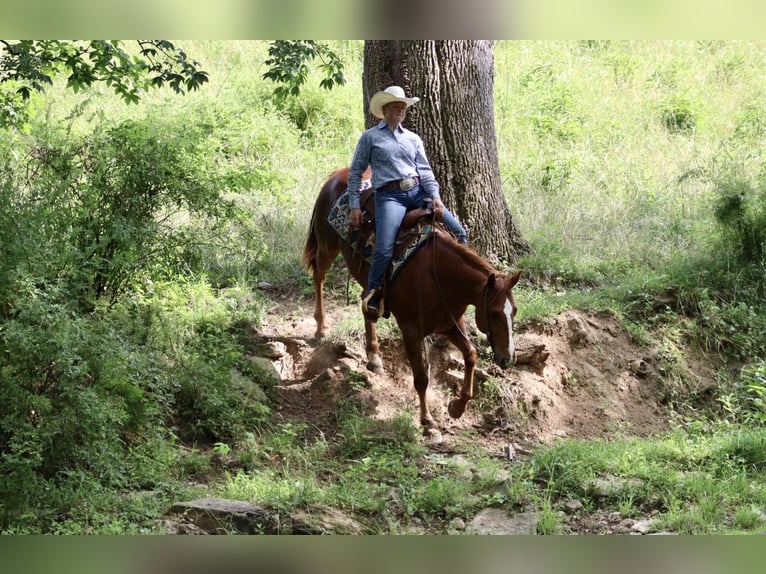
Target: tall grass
{"x": 632, "y": 168}
{"x": 611, "y": 152}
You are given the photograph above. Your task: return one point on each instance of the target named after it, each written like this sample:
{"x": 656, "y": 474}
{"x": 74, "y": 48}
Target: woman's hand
{"x": 356, "y": 217}
{"x": 438, "y": 207}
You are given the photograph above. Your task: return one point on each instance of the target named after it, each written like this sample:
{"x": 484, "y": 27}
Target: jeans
{"x": 390, "y": 209}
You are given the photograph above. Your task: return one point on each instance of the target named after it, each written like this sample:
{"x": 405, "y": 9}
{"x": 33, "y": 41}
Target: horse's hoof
{"x": 375, "y": 365}
{"x": 455, "y": 408}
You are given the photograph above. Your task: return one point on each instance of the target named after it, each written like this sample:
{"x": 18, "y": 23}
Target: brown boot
{"x": 372, "y": 306}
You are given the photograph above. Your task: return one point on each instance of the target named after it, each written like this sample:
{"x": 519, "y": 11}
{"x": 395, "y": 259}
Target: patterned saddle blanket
{"x": 407, "y": 243}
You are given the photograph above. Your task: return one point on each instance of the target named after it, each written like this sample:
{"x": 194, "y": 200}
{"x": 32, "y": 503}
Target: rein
{"x": 454, "y": 321}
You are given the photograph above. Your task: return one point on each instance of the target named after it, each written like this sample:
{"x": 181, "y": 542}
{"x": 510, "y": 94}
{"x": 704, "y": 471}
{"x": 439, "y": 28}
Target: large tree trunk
{"x": 455, "y": 117}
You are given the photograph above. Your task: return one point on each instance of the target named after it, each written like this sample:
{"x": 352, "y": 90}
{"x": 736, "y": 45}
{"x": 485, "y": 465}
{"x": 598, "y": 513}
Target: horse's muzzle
{"x": 504, "y": 362}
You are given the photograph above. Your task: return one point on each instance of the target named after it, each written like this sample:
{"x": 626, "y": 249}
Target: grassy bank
{"x": 634, "y": 169}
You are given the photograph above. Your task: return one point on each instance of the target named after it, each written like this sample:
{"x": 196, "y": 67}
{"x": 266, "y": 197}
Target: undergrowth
{"x": 141, "y": 246}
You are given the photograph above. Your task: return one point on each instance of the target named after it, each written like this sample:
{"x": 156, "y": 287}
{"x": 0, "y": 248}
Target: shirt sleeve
{"x": 359, "y": 164}
{"x": 425, "y": 173}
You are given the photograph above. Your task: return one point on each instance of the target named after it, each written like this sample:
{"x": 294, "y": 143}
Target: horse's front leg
{"x": 413, "y": 346}
{"x": 374, "y": 361}
{"x": 457, "y": 336}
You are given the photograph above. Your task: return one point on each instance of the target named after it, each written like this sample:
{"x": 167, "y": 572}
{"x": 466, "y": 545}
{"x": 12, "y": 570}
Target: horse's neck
{"x": 465, "y": 272}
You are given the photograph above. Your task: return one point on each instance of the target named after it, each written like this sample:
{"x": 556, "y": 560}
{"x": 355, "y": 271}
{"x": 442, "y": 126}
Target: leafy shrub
{"x": 556, "y": 116}
{"x": 59, "y": 415}
{"x": 741, "y": 212}
{"x": 749, "y": 401}
{"x": 106, "y": 207}
{"x": 679, "y": 114}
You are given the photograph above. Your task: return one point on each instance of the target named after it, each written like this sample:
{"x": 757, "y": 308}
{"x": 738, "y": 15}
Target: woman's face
{"x": 394, "y": 112}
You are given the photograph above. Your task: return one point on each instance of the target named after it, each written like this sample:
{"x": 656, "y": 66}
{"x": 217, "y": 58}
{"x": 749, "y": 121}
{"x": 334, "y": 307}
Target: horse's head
{"x": 494, "y": 316}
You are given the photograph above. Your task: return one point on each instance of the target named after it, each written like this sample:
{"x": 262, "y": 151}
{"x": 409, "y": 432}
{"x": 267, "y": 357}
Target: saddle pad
{"x": 407, "y": 244}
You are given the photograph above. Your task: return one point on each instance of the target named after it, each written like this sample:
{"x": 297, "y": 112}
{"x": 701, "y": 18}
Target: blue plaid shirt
{"x": 393, "y": 155}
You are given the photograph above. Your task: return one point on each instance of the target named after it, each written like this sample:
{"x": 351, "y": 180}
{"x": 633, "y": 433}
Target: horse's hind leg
{"x": 324, "y": 258}
{"x": 413, "y": 346}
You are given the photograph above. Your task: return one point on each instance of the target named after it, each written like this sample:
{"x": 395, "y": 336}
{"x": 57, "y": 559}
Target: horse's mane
{"x": 470, "y": 256}
{"x": 340, "y": 172}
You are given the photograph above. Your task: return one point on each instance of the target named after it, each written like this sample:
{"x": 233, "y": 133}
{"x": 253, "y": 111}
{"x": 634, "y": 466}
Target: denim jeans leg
{"x": 390, "y": 208}
{"x": 448, "y": 217}
{"x": 454, "y": 226}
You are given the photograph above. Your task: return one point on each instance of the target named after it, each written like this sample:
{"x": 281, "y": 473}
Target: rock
{"x": 577, "y": 334}
{"x": 325, "y": 520}
{"x": 612, "y": 486}
{"x": 173, "y": 527}
{"x": 639, "y": 368}
{"x": 453, "y": 379}
{"x": 534, "y": 355}
{"x": 495, "y": 476}
{"x": 573, "y": 506}
{"x": 497, "y": 521}
{"x": 222, "y": 516}
{"x": 273, "y": 350}
{"x": 267, "y": 367}
{"x": 626, "y": 524}
{"x": 643, "y": 526}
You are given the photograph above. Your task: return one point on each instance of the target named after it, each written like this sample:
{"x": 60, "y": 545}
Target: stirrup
{"x": 372, "y": 312}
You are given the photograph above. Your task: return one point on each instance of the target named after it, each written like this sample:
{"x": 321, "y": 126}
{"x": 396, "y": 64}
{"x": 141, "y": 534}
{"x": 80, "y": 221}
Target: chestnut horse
{"x": 430, "y": 295}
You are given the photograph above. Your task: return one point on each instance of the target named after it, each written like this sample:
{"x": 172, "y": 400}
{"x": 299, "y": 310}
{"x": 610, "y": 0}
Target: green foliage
{"x": 362, "y": 435}
{"x": 131, "y": 239}
{"x": 696, "y": 478}
{"x": 442, "y": 496}
{"x": 679, "y": 114}
{"x": 91, "y": 397}
{"x": 31, "y": 65}
{"x": 741, "y": 211}
{"x": 746, "y": 402}
{"x": 288, "y": 65}
{"x": 106, "y": 209}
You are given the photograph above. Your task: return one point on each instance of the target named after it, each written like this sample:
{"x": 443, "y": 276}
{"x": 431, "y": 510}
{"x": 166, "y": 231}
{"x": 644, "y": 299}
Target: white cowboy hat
{"x": 390, "y": 94}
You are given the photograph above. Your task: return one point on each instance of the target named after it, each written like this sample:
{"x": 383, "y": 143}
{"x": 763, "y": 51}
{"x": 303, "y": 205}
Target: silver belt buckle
{"x": 407, "y": 183}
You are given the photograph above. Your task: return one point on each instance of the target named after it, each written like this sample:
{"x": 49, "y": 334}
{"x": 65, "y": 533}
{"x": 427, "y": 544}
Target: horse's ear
{"x": 513, "y": 279}
{"x": 491, "y": 281}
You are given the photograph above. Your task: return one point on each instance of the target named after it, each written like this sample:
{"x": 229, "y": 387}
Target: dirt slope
{"x": 596, "y": 382}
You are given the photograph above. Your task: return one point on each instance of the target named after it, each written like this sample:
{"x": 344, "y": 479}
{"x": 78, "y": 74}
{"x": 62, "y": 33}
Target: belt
{"x": 405, "y": 184}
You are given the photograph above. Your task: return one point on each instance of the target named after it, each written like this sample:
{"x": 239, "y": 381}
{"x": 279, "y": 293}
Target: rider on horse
{"x": 403, "y": 180}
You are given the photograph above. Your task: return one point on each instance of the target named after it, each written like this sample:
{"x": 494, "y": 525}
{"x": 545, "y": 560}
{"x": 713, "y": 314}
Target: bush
{"x": 741, "y": 212}
{"x": 679, "y": 114}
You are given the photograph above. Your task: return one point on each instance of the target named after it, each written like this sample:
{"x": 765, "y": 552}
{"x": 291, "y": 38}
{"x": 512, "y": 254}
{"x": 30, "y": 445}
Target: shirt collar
{"x": 383, "y": 124}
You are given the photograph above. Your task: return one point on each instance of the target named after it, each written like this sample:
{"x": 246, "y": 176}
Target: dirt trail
{"x": 596, "y": 382}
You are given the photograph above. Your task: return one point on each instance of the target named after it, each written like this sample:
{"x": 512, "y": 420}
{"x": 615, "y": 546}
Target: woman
{"x": 402, "y": 178}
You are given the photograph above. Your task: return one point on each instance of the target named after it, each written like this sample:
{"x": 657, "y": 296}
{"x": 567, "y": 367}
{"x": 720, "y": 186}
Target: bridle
{"x": 481, "y": 352}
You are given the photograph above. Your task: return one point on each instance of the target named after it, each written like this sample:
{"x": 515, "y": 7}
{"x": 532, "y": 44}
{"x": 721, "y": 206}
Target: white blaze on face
{"x": 508, "y": 309}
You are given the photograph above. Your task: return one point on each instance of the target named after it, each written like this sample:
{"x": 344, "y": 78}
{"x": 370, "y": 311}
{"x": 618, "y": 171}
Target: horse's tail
{"x": 331, "y": 190}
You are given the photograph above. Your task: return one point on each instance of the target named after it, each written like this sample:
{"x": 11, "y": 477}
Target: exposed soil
{"x": 596, "y": 381}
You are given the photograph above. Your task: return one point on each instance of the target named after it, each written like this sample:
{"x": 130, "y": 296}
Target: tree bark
{"x": 455, "y": 117}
